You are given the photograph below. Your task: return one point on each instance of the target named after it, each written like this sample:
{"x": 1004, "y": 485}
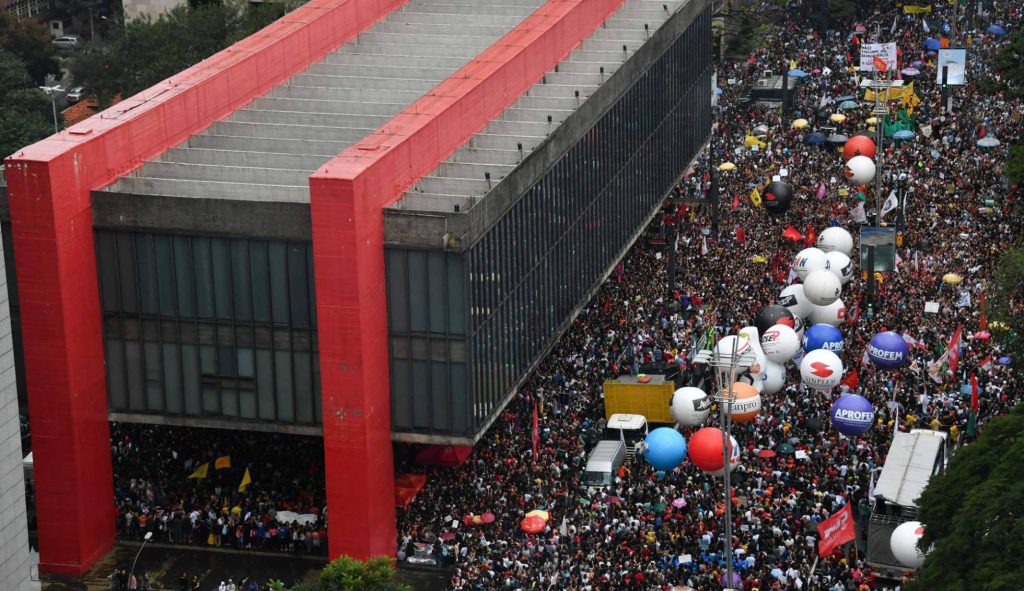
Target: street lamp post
{"x": 52, "y": 92}
{"x": 146, "y": 538}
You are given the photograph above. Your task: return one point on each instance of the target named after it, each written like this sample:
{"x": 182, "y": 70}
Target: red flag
{"x": 792, "y": 233}
{"x": 836, "y": 531}
{"x": 536, "y": 430}
{"x": 810, "y": 236}
{"x": 741, "y": 235}
{"x": 736, "y": 202}
{"x": 983, "y": 321}
{"x": 880, "y": 64}
{"x": 852, "y": 379}
{"x": 953, "y": 350}
{"x": 974, "y": 392}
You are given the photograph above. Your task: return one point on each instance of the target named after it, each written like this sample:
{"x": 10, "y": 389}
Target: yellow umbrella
{"x": 539, "y": 513}
{"x": 800, "y": 124}
{"x": 952, "y": 279}
{"x": 759, "y": 259}
{"x": 726, "y": 166}
{"x": 837, "y": 118}
{"x": 871, "y": 120}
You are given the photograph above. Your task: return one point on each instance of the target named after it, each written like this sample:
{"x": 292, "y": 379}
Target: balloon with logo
{"x": 799, "y": 326}
{"x": 780, "y": 343}
{"x": 725, "y": 348}
{"x": 839, "y": 265}
{"x": 705, "y": 449}
{"x": 769, "y": 316}
{"x": 852, "y": 415}
{"x": 834, "y": 313}
{"x": 734, "y": 457}
{"x": 747, "y": 403}
{"x": 690, "y": 406}
{"x": 823, "y": 336}
{"x": 773, "y": 379}
{"x": 821, "y": 370}
{"x": 860, "y": 170}
{"x": 835, "y": 239}
{"x": 793, "y": 299}
{"x": 822, "y": 287}
{"x": 859, "y": 145}
{"x": 753, "y": 335}
{"x": 665, "y": 448}
{"x": 888, "y": 351}
{"x": 903, "y": 543}
{"x": 806, "y": 261}
{"x": 777, "y": 197}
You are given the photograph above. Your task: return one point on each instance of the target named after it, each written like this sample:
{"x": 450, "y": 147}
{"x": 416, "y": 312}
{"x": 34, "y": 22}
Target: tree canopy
{"x": 972, "y": 514}
{"x": 348, "y": 574}
{"x": 24, "y": 110}
{"x": 29, "y": 42}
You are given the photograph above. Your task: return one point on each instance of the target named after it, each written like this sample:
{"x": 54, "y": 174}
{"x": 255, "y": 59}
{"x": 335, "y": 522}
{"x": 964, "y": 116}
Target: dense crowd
{"x": 630, "y": 536}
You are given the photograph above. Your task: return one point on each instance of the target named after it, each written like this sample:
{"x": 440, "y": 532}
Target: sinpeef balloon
{"x": 793, "y": 299}
{"x": 780, "y": 343}
{"x": 808, "y": 260}
{"x": 822, "y": 287}
{"x": 666, "y": 448}
{"x": 747, "y": 403}
{"x": 834, "y": 313}
{"x": 839, "y": 265}
{"x": 777, "y": 197}
{"x": 823, "y": 336}
{"x": 705, "y": 449}
{"x": 835, "y": 239}
{"x": 821, "y": 370}
{"x": 903, "y": 543}
{"x": 773, "y": 379}
{"x": 690, "y": 406}
{"x": 887, "y": 350}
{"x": 860, "y": 170}
{"x": 852, "y": 415}
{"x": 769, "y": 316}
{"x": 734, "y": 457}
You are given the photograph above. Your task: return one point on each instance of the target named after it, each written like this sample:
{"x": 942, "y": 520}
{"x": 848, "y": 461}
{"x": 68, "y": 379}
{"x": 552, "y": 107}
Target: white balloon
{"x": 751, "y": 334}
{"x": 834, "y": 314}
{"x": 835, "y": 239}
{"x": 774, "y": 378}
{"x": 734, "y": 458}
{"x": 821, "y": 370}
{"x": 800, "y": 325}
{"x": 690, "y": 406}
{"x": 822, "y": 288}
{"x": 903, "y": 543}
{"x": 759, "y": 383}
{"x": 807, "y": 260}
{"x": 780, "y": 343}
{"x": 726, "y": 344}
{"x": 839, "y": 265}
{"x": 860, "y": 170}
{"x": 793, "y": 299}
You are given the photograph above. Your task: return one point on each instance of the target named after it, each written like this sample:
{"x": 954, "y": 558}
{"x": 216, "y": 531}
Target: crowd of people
{"x": 630, "y": 535}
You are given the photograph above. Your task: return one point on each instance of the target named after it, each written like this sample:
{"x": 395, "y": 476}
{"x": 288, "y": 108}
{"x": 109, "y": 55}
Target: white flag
{"x": 892, "y": 29}
{"x": 964, "y": 301}
{"x": 924, "y": 25}
{"x": 891, "y": 202}
{"x": 858, "y": 214}
{"x": 704, "y": 246}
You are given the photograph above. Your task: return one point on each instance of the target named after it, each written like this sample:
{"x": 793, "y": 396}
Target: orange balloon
{"x": 747, "y": 403}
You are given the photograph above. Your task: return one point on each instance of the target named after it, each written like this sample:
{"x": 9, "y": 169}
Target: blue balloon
{"x": 823, "y": 336}
{"x": 888, "y": 351}
{"x": 666, "y": 448}
{"x": 852, "y": 415}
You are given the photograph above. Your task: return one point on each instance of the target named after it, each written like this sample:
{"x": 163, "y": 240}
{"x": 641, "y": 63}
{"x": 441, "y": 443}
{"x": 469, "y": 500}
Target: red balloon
{"x": 859, "y": 145}
{"x": 705, "y": 449}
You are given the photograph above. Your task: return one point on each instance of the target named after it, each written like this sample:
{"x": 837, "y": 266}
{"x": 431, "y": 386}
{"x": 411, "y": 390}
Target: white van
{"x": 603, "y": 463}
{"x": 630, "y": 429}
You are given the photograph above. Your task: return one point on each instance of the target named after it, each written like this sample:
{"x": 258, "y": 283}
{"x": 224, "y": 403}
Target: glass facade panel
{"x": 210, "y": 326}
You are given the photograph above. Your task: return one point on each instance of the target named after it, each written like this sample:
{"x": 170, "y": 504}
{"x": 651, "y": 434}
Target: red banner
{"x": 836, "y": 531}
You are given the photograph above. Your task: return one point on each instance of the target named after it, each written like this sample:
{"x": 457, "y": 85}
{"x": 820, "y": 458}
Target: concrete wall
{"x": 14, "y": 555}
{"x": 135, "y": 8}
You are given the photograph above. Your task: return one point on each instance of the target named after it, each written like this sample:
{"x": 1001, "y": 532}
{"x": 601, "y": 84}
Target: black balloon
{"x": 777, "y": 197}
{"x": 769, "y": 316}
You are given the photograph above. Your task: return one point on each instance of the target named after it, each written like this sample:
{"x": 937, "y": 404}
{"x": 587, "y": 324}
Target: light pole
{"x": 146, "y": 538}
{"x": 52, "y": 92}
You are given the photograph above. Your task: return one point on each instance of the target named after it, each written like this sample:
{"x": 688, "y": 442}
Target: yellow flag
{"x": 755, "y": 197}
{"x": 246, "y": 479}
{"x": 200, "y": 471}
{"x": 222, "y": 462}
{"x": 792, "y": 66}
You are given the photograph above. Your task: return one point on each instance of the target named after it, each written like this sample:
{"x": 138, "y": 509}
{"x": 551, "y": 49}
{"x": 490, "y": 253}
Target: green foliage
{"x": 29, "y": 42}
{"x": 971, "y": 514}
{"x": 348, "y": 574}
{"x": 24, "y": 109}
{"x": 1015, "y": 165}
{"x": 1009, "y": 62}
{"x": 1006, "y": 304}
{"x": 275, "y": 585}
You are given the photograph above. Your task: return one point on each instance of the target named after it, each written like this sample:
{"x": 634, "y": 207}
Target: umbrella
{"x": 952, "y": 279}
{"x": 797, "y": 73}
{"x": 487, "y": 517}
{"x": 786, "y": 449}
{"x": 737, "y": 581}
{"x": 932, "y": 44}
{"x": 613, "y": 501}
{"x": 983, "y": 335}
{"x": 815, "y": 139}
{"x": 910, "y": 72}
{"x": 846, "y": 97}
{"x": 837, "y": 138}
{"x": 540, "y": 513}
{"x": 718, "y": 90}
{"x": 800, "y": 123}
{"x": 760, "y": 130}
{"x": 988, "y": 142}
{"x": 726, "y": 166}
{"x": 679, "y": 503}
{"x": 837, "y": 118}
{"x": 659, "y": 507}
{"x": 532, "y": 525}
{"x": 447, "y": 536}
{"x": 776, "y": 573}
{"x": 1004, "y": 361}
{"x": 903, "y": 134}
{"x": 847, "y": 105}
{"x": 996, "y": 30}
{"x": 766, "y": 453}
{"x": 871, "y": 120}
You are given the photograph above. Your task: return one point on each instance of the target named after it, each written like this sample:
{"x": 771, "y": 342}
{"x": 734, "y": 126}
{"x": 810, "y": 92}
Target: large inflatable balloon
{"x": 753, "y": 335}
{"x": 666, "y": 448}
{"x": 690, "y": 406}
{"x": 822, "y": 287}
{"x": 780, "y": 343}
{"x": 769, "y": 316}
{"x": 773, "y": 380}
{"x": 887, "y": 350}
{"x": 777, "y": 197}
{"x": 835, "y": 239}
{"x": 734, "y": 457}
{"x": 793, "y": 299}
{"x": 860, "y": 170}
{"x": 823, "y": 336}
{"x": 821, "y": 370}
{"x": 747, "y": 403}
{"x": 852, "y": 415}
{"x": 800, "y": 325}
{"x": 807, "y": 260}
{"x": 726, "y": 344}
{"x": 839, "y": 265}
{"x": 834, "y": 314}
{"x": 705, "y": 449}
{"x": 859, "y": 145}
{"x": 903, "y": 543}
